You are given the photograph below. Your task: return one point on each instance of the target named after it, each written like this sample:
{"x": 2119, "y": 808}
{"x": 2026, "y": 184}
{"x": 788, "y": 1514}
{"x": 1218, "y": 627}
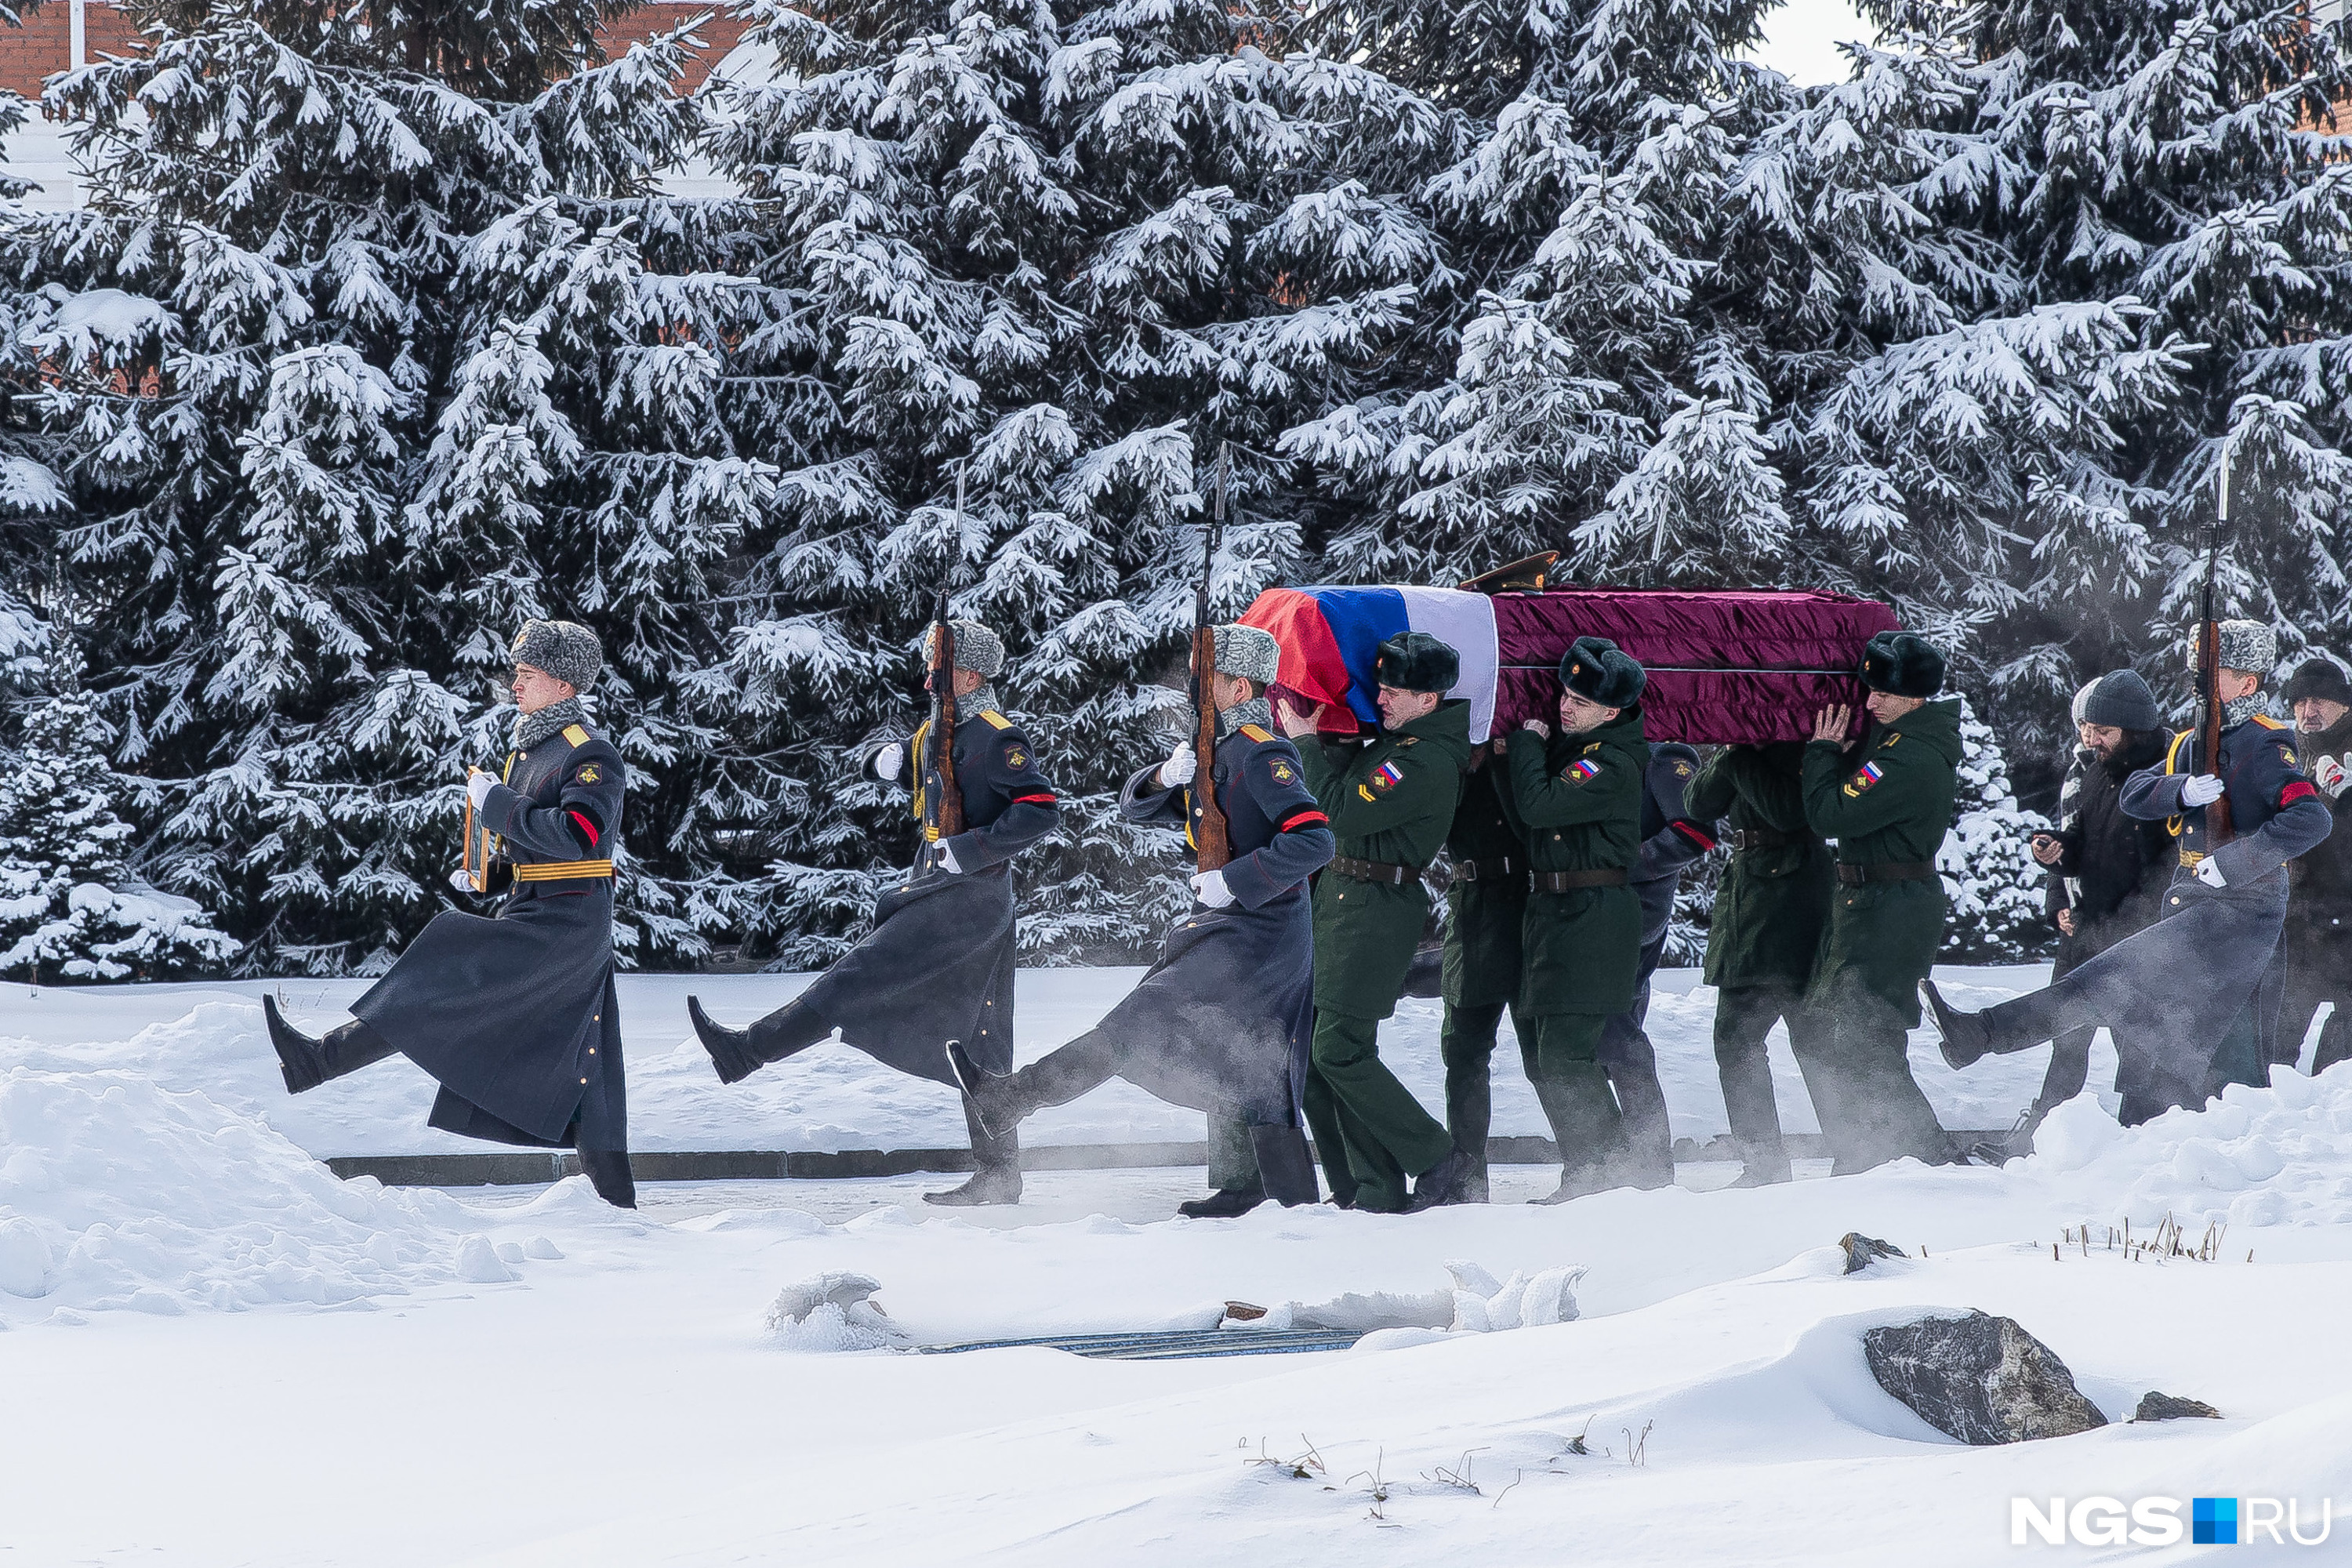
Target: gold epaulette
{"x": 1256, "y": 733}
{"x": 575, "y": 733}
{"x": 2267, "y": 723}
{"x": 993, "y": 717}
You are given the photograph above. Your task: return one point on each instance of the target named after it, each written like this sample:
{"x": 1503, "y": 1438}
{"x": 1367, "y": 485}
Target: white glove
{"x": 2328, "y": 774}
{"x": 2203, "y": 789}
{"x": 461, "y": 880}
{"x": 479, "y": 786}
{"x": 889, "y": 760}
{"x": 947, "y": 860}
{"x": 2208, "y": 871}
{"x": 1178, "y": 769}
{"x": 1208, "y": 886}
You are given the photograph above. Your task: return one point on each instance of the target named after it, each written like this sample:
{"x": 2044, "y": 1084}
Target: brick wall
{"x": 43, "y": 45}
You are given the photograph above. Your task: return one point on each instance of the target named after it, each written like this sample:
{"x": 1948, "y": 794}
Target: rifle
{"x": 2218, "y": 830}
{"x": 943, "y": 801}
{"x": 1211, "y": 844}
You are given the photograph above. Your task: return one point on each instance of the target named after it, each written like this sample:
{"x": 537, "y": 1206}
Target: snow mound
{"x": 833, "y": 1312}
{"x": 116, "y": 1193}
{"x": 2280, "y": 1156}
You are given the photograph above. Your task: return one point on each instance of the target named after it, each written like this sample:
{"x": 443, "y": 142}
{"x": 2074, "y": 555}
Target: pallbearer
{"x": 939, "y": 963}
{"x": 516, "y": 1017}
{"x": 1221, "y": 1023}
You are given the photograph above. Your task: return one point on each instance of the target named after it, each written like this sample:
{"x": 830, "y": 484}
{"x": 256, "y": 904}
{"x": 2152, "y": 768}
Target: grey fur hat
{"x": 2247, "y": 646}
{"x": 2121, "y": 698}
{"x": 1249, "y": 653}
{"x": 977, "y": 648}
{"x": 564, "y": 649}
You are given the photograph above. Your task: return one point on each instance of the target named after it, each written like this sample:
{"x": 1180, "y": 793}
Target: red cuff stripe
{"x": 1303, "y": 818}
{"x": 1034, "y": 799}
{"x": 587, "y": 828}
{"x": 1692, "y": 831}
{"x": 2295, "y": 792}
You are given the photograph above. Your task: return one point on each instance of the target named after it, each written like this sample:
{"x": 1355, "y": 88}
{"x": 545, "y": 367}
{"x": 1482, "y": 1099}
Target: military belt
{"x": 1378, "y": 871}
{"x": 1493, "y": 870}
{"x": 1569, "y": 881}
{"x": 1885, "y": 871}
{"x": 1746, "y": 838}
{"x": 562, "y": 870}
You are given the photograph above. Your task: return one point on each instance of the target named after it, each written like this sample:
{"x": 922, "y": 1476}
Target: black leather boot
{"x": 998, "y": 1179}
{"x": 1964, "y": 1035}
{"x": 1225, "y": 1202}
{"x": 731, "y": 1053}
{"x": 1285, "y": 1170}
{"x": 307, "y": 1063}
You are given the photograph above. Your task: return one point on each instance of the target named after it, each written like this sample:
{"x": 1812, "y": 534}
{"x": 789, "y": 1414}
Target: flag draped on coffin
{"x": 1725, "y": 667}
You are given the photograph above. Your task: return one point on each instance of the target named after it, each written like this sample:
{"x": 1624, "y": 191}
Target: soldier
{"x": 1888, "y": 806}
{"x": 1771, "y": 910}
{"x": 1390, "y": 802}
{"x": 1670, "y": 841}
{"x": 2319, "y": 914}
{"x": 516, "y": 1017}
{"x": 1577, "y": 797}
{"x": 939, "y": 963}
{"x": 1485, "y": 906}
{"x": 1221, "y": 1023}
{"x": 2171, "y": 994}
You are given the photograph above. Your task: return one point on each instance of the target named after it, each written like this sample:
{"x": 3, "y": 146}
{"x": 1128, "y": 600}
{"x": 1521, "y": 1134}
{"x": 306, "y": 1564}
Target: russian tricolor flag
{"x": 1330, "y": 640}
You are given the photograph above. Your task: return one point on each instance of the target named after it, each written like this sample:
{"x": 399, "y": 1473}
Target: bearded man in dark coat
{"x": 516, "y": 1017}
{"x": 1221, "y": 1022}
{"x": 939, "y": 963}
{"x": 2319, "y": 909}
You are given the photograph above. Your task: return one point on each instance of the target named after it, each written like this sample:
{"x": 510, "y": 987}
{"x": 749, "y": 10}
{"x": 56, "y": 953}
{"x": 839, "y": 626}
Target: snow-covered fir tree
{"x": 1073, "y": 251}
{"x": 71, "y": 909}
{"x": 1987, "y": 860}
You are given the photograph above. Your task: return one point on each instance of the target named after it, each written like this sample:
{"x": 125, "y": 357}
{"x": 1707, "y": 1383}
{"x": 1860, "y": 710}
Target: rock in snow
{"x": 1979, "y": 1378}
{"x": 2155, "y": 1407}
{"x": 1861, "y": 1251}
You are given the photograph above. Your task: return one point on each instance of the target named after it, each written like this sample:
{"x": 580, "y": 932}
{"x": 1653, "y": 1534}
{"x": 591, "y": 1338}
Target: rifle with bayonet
{"x": 2218, "y": 830}
{"x": 1211, "y": 844}
{"x": 942, "y": 800}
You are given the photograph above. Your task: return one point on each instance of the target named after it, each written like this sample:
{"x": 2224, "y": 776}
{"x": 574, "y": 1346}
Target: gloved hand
{"x": 479, "y": 786}
{"x": 2203, "y": 789}
{"x": 461, "y": 880}
{"x": 2328, "y": 774}
{"x": 1178, "y": 769}
{"x": 947, "y": 860}
{"x": 889, "y": 760}
{"x": 2208, "y": 871}
{"x": 1208, "y": 886}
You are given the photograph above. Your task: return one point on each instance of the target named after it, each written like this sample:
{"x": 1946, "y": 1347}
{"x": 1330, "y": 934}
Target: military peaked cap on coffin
{"x": 2248, "y": 646}
{"x": 1415, "y": 661}
{"x": 1249, "y": 653}
{"x": 564, "y": 649}
{"x": 2320, "y": 678}
{"x": 977, "y": 648}
{"x": 1600, "y": 671}
{"x": 1903, "y": 664}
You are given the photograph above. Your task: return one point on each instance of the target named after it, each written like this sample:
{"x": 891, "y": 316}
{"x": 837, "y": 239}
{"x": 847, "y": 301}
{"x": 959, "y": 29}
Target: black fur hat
{"x": 1415, "y": 661}
{"x": 1600, "y": 671}
{"x": 1903, "y": 663}
{"x": 2321, "y": 677}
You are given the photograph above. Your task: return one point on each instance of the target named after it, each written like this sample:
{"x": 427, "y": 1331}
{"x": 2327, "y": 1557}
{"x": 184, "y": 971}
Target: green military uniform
{"x": 1485, "y": 906}
{"x": 1578, "y": 798}
{"x": 1390, "y": 803}
{"x": 1769, "y": 912}
{"x": 1888, "y": 806}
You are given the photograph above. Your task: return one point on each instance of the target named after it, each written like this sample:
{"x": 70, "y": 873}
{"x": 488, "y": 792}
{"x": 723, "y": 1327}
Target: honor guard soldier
{"x": 1888, "y": 806}
{"x": 516, "y": 1017}
{"x": 2193, "y": 1000}
{"x": 1221, "y": 1021}
{"x": 1390, "y": 803}
{"x": 939, "y": 963}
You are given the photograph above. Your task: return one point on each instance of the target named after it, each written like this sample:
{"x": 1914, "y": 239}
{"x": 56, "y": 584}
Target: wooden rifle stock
{"x": 1212, "y": 845}
{"x": 2218, "y": 828}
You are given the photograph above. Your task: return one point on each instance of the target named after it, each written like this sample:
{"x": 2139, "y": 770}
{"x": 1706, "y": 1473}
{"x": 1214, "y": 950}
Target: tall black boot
{"x": 307, "y": 1063}
{"x": 1284, "y": 1169}
{"x": 608, "y": 1171}
{"x": 997, "y": 1178}
{"x": 736, "y": 1054}
{"x": 1586, "y": 1124}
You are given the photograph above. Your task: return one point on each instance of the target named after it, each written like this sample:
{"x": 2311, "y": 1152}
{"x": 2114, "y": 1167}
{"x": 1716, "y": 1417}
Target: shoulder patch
{"x": 1386, "y": 778}
{"x": 1867, "y": 775}
{"x": 589, "y": 773}
{"x": 2287, "y": 755}
{"x": 993, "y": 717}
{"x": 1581, "y": 770}
{"x": 1016, "y": 758}
{"x": 575, "y": 734}
{"x": 1256, "y": 733}
{"x": 1282, "y": 772}
{"x": 1684, "y": 770}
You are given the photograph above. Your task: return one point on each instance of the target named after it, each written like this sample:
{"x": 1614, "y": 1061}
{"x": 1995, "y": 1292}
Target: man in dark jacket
{"x": 1888, "y": 804}
{"x": 2319, "y": 910}
{"x": 1771, "y": 910}
{"x": 1577, "y": 797}
{"x": 1221, "y": 1023}
{"x": 2108, "y": 869}
{"x": 2180, "y": 995}
{"x": 1390, "y": 803}
{"x": 939, "y": 963}
{"x": 516, "y": 1017}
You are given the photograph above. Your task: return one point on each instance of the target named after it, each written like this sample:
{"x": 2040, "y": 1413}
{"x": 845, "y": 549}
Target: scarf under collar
{"x": 980, "y": 699}
{"x": 1257, "y": 710}
{"x": 2239, "y": 709}
{"x": 530, "y": 729}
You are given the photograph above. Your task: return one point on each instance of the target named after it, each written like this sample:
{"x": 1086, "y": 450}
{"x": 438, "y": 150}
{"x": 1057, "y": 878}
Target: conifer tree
{"x": 1990, "y": 873}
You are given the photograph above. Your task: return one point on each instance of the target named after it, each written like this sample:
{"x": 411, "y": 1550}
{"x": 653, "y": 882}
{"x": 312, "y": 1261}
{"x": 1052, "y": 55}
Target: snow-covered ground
{"x": 208, "y": 1037}
{"x": 214, "y": 1353}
